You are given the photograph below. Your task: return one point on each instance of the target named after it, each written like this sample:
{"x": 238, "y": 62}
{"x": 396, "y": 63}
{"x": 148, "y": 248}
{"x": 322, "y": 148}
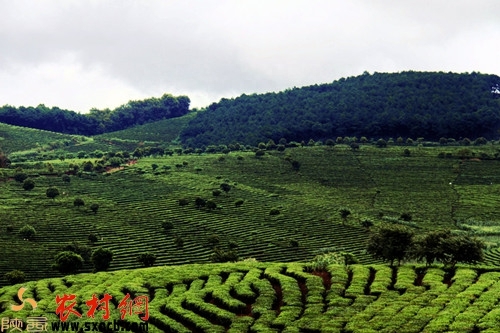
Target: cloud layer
{"x": 79, "y": 54}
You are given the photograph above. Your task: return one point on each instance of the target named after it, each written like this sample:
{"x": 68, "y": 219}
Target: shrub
{"x": 27, "y": 232}
{"x": 68, "y": 262}
{"x": 200, "y": 202}
{"x": 28, "y": 184}
{"x": 20, "y": 177}
{"x": 78, "y": 202}
{"x": 183, "y": 202}
{"x": 211, "y": 205}
{"x": 274, "y": 211}
{"x": 66, "y": 178}
{"x": 84, "y": 251}
{"x": 15, "y": 277}
{"x": 366, "y": 223}
{"x": 294, "y": 243}
{"x": 213, "y": 239}
{"x": 225, "y": 187}
{"x": 220, "y": 255}
{"x": 381, "y": 143}
{"x": 179, "y": 241}
{"x": 406, "y": 216}
{"x": 167, "y": 225}
{"x": 92, "y": 238}
{"x": 147, "y": 259}
{"x": 52, "y": 192}
{"x": 101, "y": 258}
{"x": 239, "y": 202}
{"x": 216, "y": 193}
{"x": 259, "y": 153}
{"x": 94, "y": 207}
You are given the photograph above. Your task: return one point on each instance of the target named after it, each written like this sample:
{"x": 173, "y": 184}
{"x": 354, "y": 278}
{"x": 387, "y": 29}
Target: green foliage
{"x": 101, "y": 259}
{"x": 83, "y": 250}
{"x": 20, "y": 176}
{"x": 66, "y": 178}
{"x": 167, "y": 225}
{"x": 274, "y": 211}
{"x": 52, "y": 192}
{"x": 28, "y": 184}
{"x": 15, "y": 276}
{"x": 27, "y": 232}
{"x": 346, "y": 108}
{"x": 220, "y": 255}
{"x": 68, "y": 262}
{"x": 92, "y": 238}
{"x": 390, "y": 242}
{"x": 322, "y": 261}
{"x": 225, "y": 187}
{"x": 147, "y": 259}
{"x": 94, "y": 208}
{"x": 78, "y": 202}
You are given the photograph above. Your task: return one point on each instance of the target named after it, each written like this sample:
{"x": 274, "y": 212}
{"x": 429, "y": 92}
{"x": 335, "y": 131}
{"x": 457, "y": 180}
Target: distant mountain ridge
{"x": 407, "y": 104}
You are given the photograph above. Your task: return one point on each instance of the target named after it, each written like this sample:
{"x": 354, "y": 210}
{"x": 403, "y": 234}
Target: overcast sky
{"x": 78, "y": 54}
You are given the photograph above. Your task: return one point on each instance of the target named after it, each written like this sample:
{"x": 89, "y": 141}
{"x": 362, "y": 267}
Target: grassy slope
{"x": 133, "y": 203}
{"x": 278, "y": 297}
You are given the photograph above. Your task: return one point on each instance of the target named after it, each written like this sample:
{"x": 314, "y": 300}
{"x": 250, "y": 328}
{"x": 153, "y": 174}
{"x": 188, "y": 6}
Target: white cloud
{"x": 79, "y": 54}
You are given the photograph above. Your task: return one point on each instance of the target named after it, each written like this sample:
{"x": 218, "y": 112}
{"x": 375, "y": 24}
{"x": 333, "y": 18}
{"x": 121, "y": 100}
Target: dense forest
{"x": 380, "y": 105}
{"x": 96, "y": 121}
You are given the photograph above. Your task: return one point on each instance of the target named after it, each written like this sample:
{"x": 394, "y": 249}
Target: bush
{"x": 322, "y": 261}
{"x": 68, "y": 262}
{"x": 167, "y": 225}
{"x": 274, "y": 211}
{"x": 216, "y": 193}
{"x": 225, "y": 187}
{"x": 78, "y": 202}
{"x": 147, "y": 259}
{"x": 15, "y": 277}
{"x": 211, "y": 205}
{"x": 28, "y": 184}
{"x": 239, "y": 202}
{"x": 101, "y": 258}
{"x": 92, "y": 238}
{"x": 52, "y": 192}
{"x": 220, "y": 255}
{"x": 27, "y": 232}
{"x": 66, "y": 178}
{"x": 20, "y": 177}
{"x": 183, "y": 202}
{"x": 94, "y": 207}
{"x": 213, "y": 239}
{"x": 83, "y": 250}
{"x": 406, "y": 217}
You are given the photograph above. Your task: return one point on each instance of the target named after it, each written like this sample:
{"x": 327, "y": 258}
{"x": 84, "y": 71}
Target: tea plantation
{"x": 279, "y": 297}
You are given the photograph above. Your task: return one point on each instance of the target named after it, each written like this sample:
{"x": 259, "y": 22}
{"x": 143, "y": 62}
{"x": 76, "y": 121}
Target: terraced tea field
{"x": 375, "y": 184}
{"x": 280, "y": 297}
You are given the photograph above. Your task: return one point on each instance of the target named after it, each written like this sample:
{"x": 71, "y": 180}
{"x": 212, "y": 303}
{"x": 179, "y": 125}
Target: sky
{"x": 83, "y": 54}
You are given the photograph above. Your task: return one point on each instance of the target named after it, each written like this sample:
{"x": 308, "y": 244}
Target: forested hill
{"x": 380, "y": 105}
{"x": 96, "y": 121}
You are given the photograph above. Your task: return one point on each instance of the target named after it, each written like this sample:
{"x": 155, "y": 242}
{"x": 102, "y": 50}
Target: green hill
{"x": 271, "y": 211}
{"x": 406, "y": 104}
{"x": 276, "y": 297}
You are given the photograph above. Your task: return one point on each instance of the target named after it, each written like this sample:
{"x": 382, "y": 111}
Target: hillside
{"x": 277, "y": 297}
{"x": 380, "y": 105}
{"x": 271, "y": 211}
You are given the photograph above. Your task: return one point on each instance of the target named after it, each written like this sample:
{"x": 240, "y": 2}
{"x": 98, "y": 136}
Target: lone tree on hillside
{"x": 78, "y": 202}
{"x": 94, "y": 207}
{"x": 28, "y": 184}
{"x": 52, "y": 192}
{"x": 15, "y": 277}
{"x": 344, "y": 213}
{"x": 444, "y": 246}
{"x": 101, "y": 258}
{"x": 391, "y": 242}
{"x": 27, "y": 232}
{"x": 68, "y": 262}
{"x": 225, "y": 187}
{"x": 147, "y": 259}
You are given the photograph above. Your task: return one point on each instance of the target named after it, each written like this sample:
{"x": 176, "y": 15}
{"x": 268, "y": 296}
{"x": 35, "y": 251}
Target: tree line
{"x": 96, "y": 121}
{"x": 379, "y": 105}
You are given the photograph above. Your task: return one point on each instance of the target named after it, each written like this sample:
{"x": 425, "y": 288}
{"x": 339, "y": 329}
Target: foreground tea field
{"x": 279, "y": 297}
{"x": 375, "y": 184}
